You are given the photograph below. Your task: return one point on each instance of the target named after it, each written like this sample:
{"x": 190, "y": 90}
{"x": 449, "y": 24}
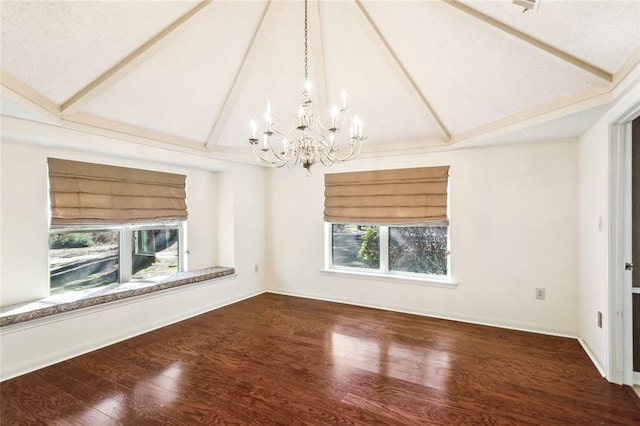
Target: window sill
{"x": 406, "y": 279}
{"x": 14, "y": 314}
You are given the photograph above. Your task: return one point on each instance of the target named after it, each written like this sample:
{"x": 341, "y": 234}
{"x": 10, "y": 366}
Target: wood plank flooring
{"x": 283, "y": 360}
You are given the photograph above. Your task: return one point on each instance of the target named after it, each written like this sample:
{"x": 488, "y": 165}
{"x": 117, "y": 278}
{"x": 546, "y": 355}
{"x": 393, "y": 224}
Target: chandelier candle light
{"x": 308, "y": 141}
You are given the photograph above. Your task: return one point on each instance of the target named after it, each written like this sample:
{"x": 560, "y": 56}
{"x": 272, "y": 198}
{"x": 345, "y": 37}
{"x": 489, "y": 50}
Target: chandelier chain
{"x": 306, "y": 47}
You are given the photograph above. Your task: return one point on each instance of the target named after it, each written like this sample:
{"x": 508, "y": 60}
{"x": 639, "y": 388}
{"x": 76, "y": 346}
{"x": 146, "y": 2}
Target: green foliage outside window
{"x": 369, "y": 252}
{"x": 418, "y": 249}
{"x": 355, "y": 246}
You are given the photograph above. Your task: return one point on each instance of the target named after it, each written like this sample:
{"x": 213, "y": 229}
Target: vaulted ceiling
{"x": 419, "y": 73}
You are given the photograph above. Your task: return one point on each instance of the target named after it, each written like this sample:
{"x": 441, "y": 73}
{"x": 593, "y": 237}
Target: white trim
{"x": 615, "y": 250}
{"x": 594, "y": 359}
{"x": 491, "y": 322}
{"x": 425, "y": 280}
{"x": 636, "y": 379}
{"x": 383, "y": 243}
{"x": 103, "y": 341}
{"x": 626, "y": 278}
{"x": 328, "y": 245}
{"x": 618, "y": 366}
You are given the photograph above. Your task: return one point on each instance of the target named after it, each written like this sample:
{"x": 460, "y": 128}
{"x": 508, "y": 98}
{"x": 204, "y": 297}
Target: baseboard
{"x": 68, "y": 353}
{"x": 594, "y": 359}
{"x": 634, "y": 394}
{"x": 433, "y": 314}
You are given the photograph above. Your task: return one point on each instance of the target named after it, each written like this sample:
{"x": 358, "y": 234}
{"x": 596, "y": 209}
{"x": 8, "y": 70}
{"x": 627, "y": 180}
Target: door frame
{"x": 620, "y": 368}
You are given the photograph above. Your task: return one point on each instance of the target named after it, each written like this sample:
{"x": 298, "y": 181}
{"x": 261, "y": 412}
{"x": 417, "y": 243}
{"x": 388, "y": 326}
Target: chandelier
{"x": 308, "y": 141}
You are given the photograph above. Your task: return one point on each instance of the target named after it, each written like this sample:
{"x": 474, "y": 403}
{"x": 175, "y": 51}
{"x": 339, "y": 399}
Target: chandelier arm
{"x": 326, "y": 161}
{"x": 354, "y": 150}
{"x": 263, "y": 156}
{"x": 325, "y": 155}
{"x": 340, "y": 120}
{"x": 292, "y": 164}
{"x": 275, "y": 153}
{"x": 278, "y": 133}
{"x": 319, "y": 130}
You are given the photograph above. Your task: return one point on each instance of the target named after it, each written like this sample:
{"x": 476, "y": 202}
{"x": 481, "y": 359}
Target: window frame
{"x": 384, "y": 272}
{"x": 126, "y": 247}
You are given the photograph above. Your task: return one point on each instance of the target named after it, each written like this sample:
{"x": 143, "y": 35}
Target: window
{"x": 406, "y": 217}
{"x": 419, "y": 249}
{"x": 355, "y": 246}
{"x": 401, "y": 250}
{"x": 113, "y": 224}
{"x": 156, "y": 253}
{"x": 81, "y": 259}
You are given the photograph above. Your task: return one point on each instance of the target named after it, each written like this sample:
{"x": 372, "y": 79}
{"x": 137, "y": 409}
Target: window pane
{"x": 155, "y": 253}
{"x": 419, "y": 249}
{"x": 356, "y": 246}
{"x": 82, "y": 260}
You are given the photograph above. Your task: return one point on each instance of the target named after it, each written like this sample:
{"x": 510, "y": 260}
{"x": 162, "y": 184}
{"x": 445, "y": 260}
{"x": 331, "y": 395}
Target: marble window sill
{"x": 18, "y": 313}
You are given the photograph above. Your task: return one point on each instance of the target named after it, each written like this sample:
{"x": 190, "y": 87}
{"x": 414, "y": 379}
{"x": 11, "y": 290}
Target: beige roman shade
{"x": 396, "y": 196}
{"x": 86, "y": 193}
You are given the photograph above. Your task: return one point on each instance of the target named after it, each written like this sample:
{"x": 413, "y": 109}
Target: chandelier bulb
{"x": 334, "y": 119}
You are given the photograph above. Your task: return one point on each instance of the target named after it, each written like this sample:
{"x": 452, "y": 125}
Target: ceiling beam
{"x": 134, "y": 59}
{"x": 585, "y": 66}
{"x": 249, "y": 59}
{"x": 538, "y": 114}
{"x": 26, "y": 96}
{"x": 109, "y": 127}
{"x": 399, "y": 63}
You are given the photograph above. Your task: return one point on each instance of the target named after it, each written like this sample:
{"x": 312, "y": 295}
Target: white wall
{"x": 513, "y": 228}
{"x": 592, "y": 242}
{"x": 221, "y": 196}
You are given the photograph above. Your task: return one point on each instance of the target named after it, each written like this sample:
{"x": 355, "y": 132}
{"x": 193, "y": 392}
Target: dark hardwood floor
{"x": 282, "y": 360}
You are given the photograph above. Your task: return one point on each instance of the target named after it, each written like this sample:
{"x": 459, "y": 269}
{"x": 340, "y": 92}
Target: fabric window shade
{"x": 399, "y": 196}
{"x": 87, "y": 193}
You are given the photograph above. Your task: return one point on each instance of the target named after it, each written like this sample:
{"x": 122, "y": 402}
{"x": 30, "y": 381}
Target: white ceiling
{"x": 434, "y": 73}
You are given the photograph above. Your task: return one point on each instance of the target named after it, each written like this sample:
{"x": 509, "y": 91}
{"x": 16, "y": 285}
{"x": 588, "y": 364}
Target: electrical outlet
{"x": 540, "y": 293}
{"x": 256, "y": 269}
{"x": 599, "y": 319}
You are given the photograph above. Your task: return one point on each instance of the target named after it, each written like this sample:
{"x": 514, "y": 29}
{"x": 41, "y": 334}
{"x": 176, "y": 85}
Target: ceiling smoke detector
{"x": 528, "y": 4}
